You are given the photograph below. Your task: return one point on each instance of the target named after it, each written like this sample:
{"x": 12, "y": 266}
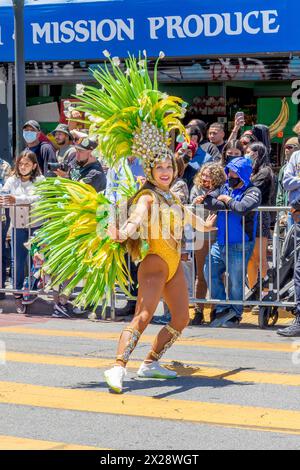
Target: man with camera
{"x": 85, "y": 167}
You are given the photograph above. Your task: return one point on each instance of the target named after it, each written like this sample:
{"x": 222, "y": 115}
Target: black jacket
{"x": 92, "y": 174}
{"x": 264, "y": 180}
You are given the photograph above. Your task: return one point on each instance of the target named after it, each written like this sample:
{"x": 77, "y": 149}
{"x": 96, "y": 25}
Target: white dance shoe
{"x": 154, "y": 370}
{"x": 114, "y": 378}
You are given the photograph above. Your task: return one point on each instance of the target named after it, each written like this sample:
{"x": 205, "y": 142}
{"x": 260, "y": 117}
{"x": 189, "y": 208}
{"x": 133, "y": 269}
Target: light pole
{"x": 20, "y": 85}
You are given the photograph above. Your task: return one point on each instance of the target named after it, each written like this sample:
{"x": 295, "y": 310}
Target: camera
{"x": 186, "y": 158}
{"x": 58, "y": 166}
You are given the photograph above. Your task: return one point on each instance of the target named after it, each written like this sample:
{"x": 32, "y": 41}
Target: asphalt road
{"x": 238, "y": 389}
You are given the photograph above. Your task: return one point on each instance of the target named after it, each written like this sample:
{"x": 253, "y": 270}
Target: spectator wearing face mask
{"x": 239, "y": 196}
{"x": 44, "y": 151}
{"x": 233, "y": 149}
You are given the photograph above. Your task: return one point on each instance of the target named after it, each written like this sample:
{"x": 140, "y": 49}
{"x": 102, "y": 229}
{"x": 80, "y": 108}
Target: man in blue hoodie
{"x": 235, "y": 201}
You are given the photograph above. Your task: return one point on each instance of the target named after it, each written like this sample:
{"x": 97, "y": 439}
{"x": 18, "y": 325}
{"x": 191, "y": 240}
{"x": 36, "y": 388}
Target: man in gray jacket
{"x": 291, "y": 179}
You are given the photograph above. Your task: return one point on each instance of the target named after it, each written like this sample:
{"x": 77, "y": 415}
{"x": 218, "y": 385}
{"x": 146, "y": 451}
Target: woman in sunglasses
{"x": 247, "y": 139}
{"x": 282, "y": 197}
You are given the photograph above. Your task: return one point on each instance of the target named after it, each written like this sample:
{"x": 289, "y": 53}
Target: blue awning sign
{"x": 77, "y": 30}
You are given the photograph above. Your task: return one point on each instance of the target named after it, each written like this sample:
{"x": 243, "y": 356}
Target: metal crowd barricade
{"x": 283, "y": 296}
{"x": 275, "y": 265}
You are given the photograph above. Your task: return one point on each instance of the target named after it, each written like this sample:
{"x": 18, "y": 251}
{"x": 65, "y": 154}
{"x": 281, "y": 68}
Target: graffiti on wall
{"x": 248, "y": 68}
{"x": 217, "y": 69}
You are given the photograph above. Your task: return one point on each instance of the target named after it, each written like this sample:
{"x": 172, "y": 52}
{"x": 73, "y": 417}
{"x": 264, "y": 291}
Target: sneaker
{"x": 20, "y": 308}
{"x": 61, "y": 311}
{"x": 114, "y": 378}
{"x": 292, "y": 330}
{"x": 154, "y": 370}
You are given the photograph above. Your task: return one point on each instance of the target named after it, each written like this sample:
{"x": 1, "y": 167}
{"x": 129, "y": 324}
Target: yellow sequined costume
{"x": 165, "y": 217}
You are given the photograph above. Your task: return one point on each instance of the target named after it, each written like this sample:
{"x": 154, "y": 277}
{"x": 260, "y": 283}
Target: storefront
{"x": 219, "y": 57}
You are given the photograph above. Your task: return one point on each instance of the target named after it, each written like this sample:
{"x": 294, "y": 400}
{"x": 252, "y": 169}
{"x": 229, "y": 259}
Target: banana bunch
{"x": 280, "y": 123}
{"x": 74, "y": 241}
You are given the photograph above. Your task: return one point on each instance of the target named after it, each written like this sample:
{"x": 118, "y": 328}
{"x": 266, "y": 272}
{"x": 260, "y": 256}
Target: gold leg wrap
{"x": 131, "y": 344}
{"x": 174, "y": 336}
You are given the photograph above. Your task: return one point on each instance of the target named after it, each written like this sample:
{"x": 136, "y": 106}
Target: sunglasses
{"x": 290, "y": 147}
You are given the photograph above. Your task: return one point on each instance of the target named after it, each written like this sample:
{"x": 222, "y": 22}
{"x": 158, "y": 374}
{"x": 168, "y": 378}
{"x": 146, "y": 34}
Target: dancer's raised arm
{"x": 132, "y": 224}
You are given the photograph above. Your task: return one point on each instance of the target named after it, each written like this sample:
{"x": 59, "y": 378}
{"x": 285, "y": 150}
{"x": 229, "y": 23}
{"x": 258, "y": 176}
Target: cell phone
{"x": 240, "y": 114}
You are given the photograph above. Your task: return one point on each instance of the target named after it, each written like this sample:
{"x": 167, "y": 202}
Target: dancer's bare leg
{"x": 152, "y": 276}
{"x": 177, "y": 298}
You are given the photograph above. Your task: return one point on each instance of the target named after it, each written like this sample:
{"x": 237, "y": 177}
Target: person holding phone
{"x": 239, "y": 122}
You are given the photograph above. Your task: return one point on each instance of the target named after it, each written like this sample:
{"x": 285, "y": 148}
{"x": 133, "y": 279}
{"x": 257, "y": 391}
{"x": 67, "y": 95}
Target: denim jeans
{"x": 5, "y": 227}
{"x": 297, "y": 285}
{"x": 19, "y": 237}
{"x": 235, "y": 272}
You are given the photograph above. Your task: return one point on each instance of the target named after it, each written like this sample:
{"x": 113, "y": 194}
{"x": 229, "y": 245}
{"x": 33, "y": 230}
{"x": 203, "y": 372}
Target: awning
{"x": 81, "y": 30}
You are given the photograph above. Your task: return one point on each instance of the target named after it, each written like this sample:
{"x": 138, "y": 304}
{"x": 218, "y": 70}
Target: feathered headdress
{"x": 129, "y": 114}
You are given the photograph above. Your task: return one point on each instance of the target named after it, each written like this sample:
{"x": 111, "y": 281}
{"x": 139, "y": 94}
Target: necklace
{"x": 165, "y": 194}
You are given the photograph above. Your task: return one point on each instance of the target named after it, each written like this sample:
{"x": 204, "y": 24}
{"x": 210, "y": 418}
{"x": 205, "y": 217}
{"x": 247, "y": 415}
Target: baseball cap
{"x": 86, "y": 144}
{"x": 63, "y": 128}
{"x": 34, "y": 124}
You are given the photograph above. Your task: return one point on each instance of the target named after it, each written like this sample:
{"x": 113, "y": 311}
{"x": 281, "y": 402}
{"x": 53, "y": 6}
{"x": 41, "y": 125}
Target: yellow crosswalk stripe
{"x": 286, "y": 347}
{"x": 21, "y": 443}
{"x": 254, "y": 418}
{"x": 192, "y": 369}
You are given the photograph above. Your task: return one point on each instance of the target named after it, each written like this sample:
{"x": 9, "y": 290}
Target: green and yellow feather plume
{"x": 124, "y": 99}
{"x": 74, "y": 241}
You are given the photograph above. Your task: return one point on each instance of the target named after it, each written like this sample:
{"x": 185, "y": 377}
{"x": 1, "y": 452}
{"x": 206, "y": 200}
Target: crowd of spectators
{"x": 231, "y": 177}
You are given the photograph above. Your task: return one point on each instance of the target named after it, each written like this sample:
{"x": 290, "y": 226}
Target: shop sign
{"x": 74, "y": 31}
